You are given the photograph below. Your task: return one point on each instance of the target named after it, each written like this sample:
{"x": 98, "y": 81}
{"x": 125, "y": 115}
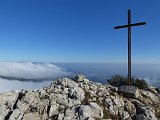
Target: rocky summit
{"x": 80, "y": 99}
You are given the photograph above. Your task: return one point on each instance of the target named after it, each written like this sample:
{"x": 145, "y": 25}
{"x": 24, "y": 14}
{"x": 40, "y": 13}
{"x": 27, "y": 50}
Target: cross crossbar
{"x": 126, "y": 26}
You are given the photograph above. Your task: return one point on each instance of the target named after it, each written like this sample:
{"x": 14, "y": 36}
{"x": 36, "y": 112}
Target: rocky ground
{"x": 80, "y": 99}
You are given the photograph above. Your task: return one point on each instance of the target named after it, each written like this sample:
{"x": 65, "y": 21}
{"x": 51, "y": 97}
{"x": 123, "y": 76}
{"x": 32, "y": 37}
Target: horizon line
{"x": 79, "y": 62}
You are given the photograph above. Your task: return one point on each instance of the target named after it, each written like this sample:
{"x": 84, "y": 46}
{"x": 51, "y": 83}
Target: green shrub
{"x": 118, "y": 80}
{"x": 140, "y": 83}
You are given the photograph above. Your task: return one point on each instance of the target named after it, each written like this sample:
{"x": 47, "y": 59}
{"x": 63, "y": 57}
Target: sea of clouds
{"x": 31, "y": 70}
{"x": 33, "y": 75}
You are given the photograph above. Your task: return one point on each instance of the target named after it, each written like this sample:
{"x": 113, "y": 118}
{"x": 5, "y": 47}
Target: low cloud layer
{"x": 29, "y": 70}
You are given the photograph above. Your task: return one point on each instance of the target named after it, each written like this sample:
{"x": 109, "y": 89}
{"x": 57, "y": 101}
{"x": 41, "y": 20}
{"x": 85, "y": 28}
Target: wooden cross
{"x": 129, "y": 41}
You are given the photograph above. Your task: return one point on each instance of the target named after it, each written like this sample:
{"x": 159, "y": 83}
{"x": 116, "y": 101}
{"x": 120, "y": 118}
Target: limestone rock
{"x": 16, "y": 115}
{"x": 71, "y": 114}
{"x": 9, "y": 98}
{"x": 140, "y": 117}
{"x": 53, "y": 109}
{"x": 3, "y": 112}
{"x": 76, "y": 93}
{"x": 22, "y": 106}
{"x": 129, "y": 91}
{"x": 146, "y": 95}
{"x": 90, "y": 111}
{"x": 148, "y": 112}
{"x": 119, "y": 102}
{"x": 152, "y": 89}
{"x": 112, "y": 88}
{"x": 80, "y": 78}
{"x": 96, "y": 108}
{"x": 65, "y": 82}
{"x": 124, "y": 115}
{"x": 31, "y": 116}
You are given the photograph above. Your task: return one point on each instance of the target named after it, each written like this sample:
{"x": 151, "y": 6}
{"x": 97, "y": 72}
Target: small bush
{"x": 118, "y": 80}
{"x": 140, "y": 83}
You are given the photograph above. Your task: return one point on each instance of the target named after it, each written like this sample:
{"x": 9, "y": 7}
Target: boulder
{"x": 22, "y": 106}
{"x": 118, "y": 102}
{"x": 73, "y": 102}
{"x": 129, "y": 91}
{"x": 60, "y": 99}
{"x": 53, "y": 109}
{"x": 124, "y": 115}
{"x": 158, "y": 89}
{"x": 112, "y": 88}
{"x": 9, "y": 98}
{"x": 16, "y": 115}
{"x": 148, "y": 112}
{"x": 65, "y": 91}
{"x": 65, "y": 82}
{"x": 113, "y": 109}
{"x": 31, "y": 116}
{"x": 148, "y": 96}
{"x": 90, "y": 111}
{"x": 130, "y": 108}
{"x": 140, "y": 117}
{"x": 31, "y": 97}
{"x": 76, "y": 93}
{"x": 80, "y": 78}
{"x": 71, "y": 113}
{"x": 92, "y": 87}
{"x": 60, "y": 116}
{"x": 96, "y": 108}
{"x": 4, "y": 111}
{"x": 152, "y": 89}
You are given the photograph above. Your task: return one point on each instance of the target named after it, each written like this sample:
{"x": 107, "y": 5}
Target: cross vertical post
{"x": 129, "y": 25}
{"x": 129, "y": 47}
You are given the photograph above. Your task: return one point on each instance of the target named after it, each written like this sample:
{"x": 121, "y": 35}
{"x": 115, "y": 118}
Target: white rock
{"x": 90, "y": 111}
{"x": 93, "y": 87}
{"x": 16, "y": 115}
{"x": 148, "y": 112}
{"x": 31, "y": 97}
{"x": 60, "y": 116}
{"x": 80, "y": 78}
{"x": 119, "y": 102}
{"x": 71, "y": 114}
{"x": 141, "y": 117}
{"x": 31, "y": 116}
{"x": 150, "y": 95}
{"x": 61, "y": 99}
{"x": 96, "y": 108}
{"x": 8, "y": 98}
{"x": 124, "y": 115}
{"x": 73, "y": 102}
{"x": 112, "y": 88}
{"x": 3, "y": 112}
{"x": 65, "y": 82}
{"x": 113, "y": 109}
{"x": 76, "y": 93}
{"x": 54, "y": 110}
{"x": 65, "y": 91}
{"x": 130, "y": 108}
{"x": 22, "y": 106}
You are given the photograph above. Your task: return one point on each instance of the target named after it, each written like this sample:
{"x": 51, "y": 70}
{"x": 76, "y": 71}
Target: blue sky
{"x": 78, "y": 30}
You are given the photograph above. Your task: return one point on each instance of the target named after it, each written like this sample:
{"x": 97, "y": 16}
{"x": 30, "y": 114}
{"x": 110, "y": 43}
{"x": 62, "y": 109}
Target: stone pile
{"x": 80, "y": 99}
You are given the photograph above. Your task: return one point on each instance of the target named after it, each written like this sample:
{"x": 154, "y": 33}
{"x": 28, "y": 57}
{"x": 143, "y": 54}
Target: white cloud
{"x": 29, "y": 70}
